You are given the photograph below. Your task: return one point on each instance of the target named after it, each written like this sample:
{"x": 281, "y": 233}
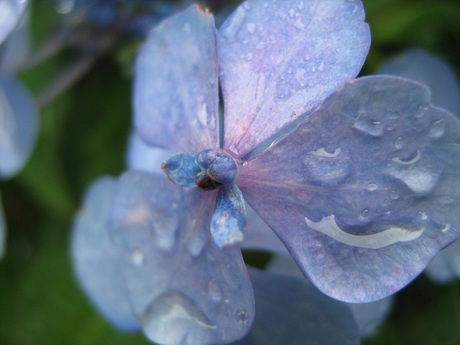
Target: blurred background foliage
{"x": 83, "y": 135}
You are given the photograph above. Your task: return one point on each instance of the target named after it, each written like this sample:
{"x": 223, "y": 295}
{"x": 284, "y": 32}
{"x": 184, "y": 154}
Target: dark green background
{"x": 83, "y": 135}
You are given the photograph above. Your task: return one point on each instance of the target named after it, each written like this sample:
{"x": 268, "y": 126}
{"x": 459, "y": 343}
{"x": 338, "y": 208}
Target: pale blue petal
{"x": 97, "y": 261}
{"x": 2, "y": 231}
{"x": 257, "y": 235}
{"x": 280, "y": 59}
{"x": 18, "y": 126}
{"x": 369, "y": 316}
{"x": 175, "y": 87}
{"x": 11, "y": 12}
{"x": 365, "y": 191}
{"x": 445, "y": 266}
{"x": 181, "y": 285}
{"x": 292, "y": 311}
{"x": 430, "y": 70}
{"x": 15, "y": 49}
{"x": 141, "y": 156}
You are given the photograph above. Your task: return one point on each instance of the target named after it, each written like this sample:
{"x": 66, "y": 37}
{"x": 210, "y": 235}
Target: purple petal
{"x": 365, "y": 191}
{"x": 2, "y": 231}
{"x": 141, "y": 156}
{"x": 11, "y": 12}
{"x": 97, "y": 260}
{"x": 445, "y": 266}
{"x": 175, "y": 88}
{"x": 18, "y": 126}
{"x": 182, "y": 286}
{"x": 430, "y": 70}
{"x": 292, "y": 311}
{"x": 281, "y": 59}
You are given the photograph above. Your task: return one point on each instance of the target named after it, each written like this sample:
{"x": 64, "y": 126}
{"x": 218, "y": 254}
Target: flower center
{"x": 208, "y": 170}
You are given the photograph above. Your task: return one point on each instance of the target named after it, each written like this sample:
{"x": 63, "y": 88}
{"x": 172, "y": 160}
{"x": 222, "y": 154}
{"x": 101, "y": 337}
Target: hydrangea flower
{"x": 11, "y": 12}
{"x": 363, "y": 192}
{"x": 18, "y": 111}
{"x": 435, "y": 73}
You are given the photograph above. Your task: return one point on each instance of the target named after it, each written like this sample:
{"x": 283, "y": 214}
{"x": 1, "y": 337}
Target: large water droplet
{"x": 419, "y": 179}
{"x": 437, "y": 129}
{"x": 327, "y": 169}
{"x": 173, "y": 318}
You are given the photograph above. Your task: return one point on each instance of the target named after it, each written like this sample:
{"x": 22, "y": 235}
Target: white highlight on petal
{"x": 322, "y": 153}
{"x": 412, "y": 161}
{"x": 329, "y": 227}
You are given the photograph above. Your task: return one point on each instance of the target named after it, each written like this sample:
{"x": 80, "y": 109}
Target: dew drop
{"x": 291, "y": 13}
{"x": 164, "y": 227}
{"x": 372, "y": 128}
{"x": 214, "y": 291}
{"x": 251, "y": 27}
{"x": 300, "y": 6}
{"x": 261, "y": 45}
{"x": 195, "y": 245}
{"x": 137, "y": 256}
{"x": 371, "y": 187}
{"x": 172, "y": 318}
{"x": 249, "y": 57}
{"x": 399, "y": 144}
{"x": 242, "y": 316}
{"x": 364, "y": 214}
{"x": 437, "y": 129}
{"x": 394, "y": 195}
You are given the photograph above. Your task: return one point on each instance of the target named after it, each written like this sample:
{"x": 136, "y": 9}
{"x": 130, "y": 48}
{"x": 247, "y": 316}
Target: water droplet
{"x": 399, "y": 144}
{"x": 261, "y": 45}
{"x": 300, "y": 6}
{"x": 164, "y": 226}
{"x": 437, "y": 129}
{"x": 172, "y": 318}
{"x": 369, "y": 127}
{"x": 195, "y": 246}
{"x": 251, "y": 27}
{"x": 230, "y": 32}
{"x": 242, "y": 316}
{"x": 137, "y": 256}
{"x": 371, "y": 187}
{"x": 364, "y": 215}
{"x": 321, "y": 66}
{"x": 291, "y": 13}
{"x": 249, "y": 57}
{"x": 214, "y": 291}
{"x": 423, "y": 216}
{"x": 327, "y": 170}
{"x": 418, "y": 178}
{"x": 394, "y": 195}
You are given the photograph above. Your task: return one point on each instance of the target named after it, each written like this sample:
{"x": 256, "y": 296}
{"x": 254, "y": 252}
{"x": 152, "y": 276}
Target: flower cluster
{"x": 361, "y": 181}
